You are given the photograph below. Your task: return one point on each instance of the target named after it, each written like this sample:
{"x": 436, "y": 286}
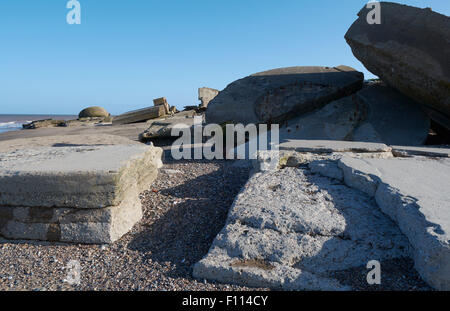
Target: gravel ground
{"x": 396, "y": 275}
{"x": 184, "y": 210}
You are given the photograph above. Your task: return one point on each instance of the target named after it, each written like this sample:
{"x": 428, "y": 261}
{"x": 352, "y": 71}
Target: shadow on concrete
{"x": 369, "y": 227}
{"x": 183, "y": 234}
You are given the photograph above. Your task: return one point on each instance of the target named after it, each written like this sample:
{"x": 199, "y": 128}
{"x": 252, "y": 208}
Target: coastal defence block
{"x": 74, "y": 193}
{"x": 90, "y": 226}
{"x": 413, "y": 192}
{"x": 205, "y": 95}
{"x": 289, "y": 229}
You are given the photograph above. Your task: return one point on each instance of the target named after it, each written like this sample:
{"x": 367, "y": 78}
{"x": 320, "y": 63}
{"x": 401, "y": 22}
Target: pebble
{"x": 180, "y": 220}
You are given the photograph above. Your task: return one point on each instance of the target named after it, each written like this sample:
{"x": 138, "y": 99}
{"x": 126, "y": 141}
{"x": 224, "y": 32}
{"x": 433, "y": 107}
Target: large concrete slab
{"x": 289, "y": 229}
{"x": 287, "y": 145}
{"x": 129, "y": 131}
{"x": 392, "y": 118}
{"x": 140, "y": 115}
{"x": 409, "y": 50}
{"x": 376, "y": 114}
{"x": 329, "y": 146}
{"x": 77, "y": 176}
{"x": 82, "y": 189}
{"x": 92, "y": 139}
{"x": 427, "y": 151}
{"x": 335, "y": 121}
{"x": 281, "y": 94}
{"x": 414, "y": 192}
{"x": 87, "y": 226}
{"x": 163, "y": 128}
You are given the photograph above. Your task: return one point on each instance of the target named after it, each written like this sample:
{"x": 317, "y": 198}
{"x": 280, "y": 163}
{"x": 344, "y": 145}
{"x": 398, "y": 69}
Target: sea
{"x": 13, "y": 122}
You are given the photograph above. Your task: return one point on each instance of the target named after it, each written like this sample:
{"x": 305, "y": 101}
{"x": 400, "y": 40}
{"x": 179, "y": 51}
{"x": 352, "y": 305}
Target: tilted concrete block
{"x": 414, "y": 193}
{"x": 81, "y": 193}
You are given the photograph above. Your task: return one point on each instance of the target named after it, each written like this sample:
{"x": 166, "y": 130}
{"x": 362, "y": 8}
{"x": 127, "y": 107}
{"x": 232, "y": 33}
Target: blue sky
{"x": 128, "y": 52}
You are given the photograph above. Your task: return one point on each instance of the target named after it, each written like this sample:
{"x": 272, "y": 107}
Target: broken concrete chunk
{"x": 414, "y": 193}
{"x": 377, "y": 114}
{"x": 298, "y": 146}
{"x": 43, "y": 123}
{"x": 281, "y": 94}
{"x": 89, "y": 226}
{"x": 289, "y": 229}
{"x": 205, "y": 95}
{"x": 163, "y": 128}
{"x": 335, "y": 121}
{"x": 330, "y": 146}
{"x": 75, "y": 176}
{"x": 93, "y": 112}
{"x": 413, "y": 58}
{"x": 140, "y": 115}
{"x": 326, "y": 168}
{"x": 67, "y": 123}
{"x": 394, "y": 118}
{"x": 73, "y": 192}
{"x": 162, "y": 102}
{"x": 426, "y": 151}
{"x": 64, "y": 141}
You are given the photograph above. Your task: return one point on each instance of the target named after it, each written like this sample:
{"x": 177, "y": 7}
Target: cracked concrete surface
{"x": 304, "y": 227}
{"x": 414, "y": 193}
{"x": 331, "y": 209}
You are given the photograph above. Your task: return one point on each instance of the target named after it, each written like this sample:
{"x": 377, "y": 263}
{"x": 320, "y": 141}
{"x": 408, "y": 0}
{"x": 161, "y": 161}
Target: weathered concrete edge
{"x": 227, "y": 272}
{"x": 278, "y": 277}
{"x": 79, "y": 233}
{"x": 405, "y": 151}
{"x": 94, "y": 189}
{"x": 432, "y": 258}
{"x": 71, "y": 225}
{"x": 327, "y": 146}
